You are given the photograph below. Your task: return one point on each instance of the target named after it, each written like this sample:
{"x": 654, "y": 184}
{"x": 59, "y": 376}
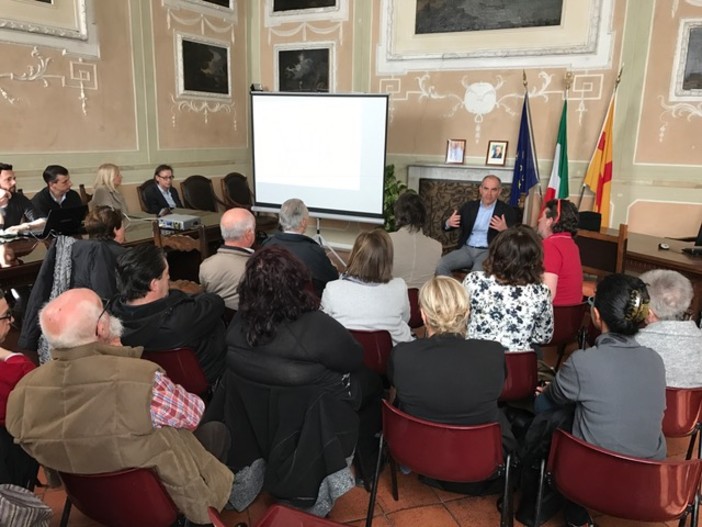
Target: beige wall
{"x": 123, "y": 106}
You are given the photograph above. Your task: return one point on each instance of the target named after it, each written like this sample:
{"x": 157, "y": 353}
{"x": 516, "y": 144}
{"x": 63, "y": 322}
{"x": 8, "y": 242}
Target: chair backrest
{"x": 281, "y": 516}
{"x": 183, "y": 266}
{"x": 622, "y": 486}
{"x": 602, "y": 254}
{"x": 198, "y": 193}
{"x": 377, "y": 346}
{"x": 589, "y": 220}
{"x": 84, "y": 196}
{"x": 236, "y": 191}
{"x": 567, "y": 323}
{"x": 683, "y": 412}
{"x": 140, "y": 193}
{"x": 415, "y": 320}
{"x": 522, "y": 375}
{"x": 128, "y": 497}
{"x": 440, "y": 451}
{"x": 182, "y": 368}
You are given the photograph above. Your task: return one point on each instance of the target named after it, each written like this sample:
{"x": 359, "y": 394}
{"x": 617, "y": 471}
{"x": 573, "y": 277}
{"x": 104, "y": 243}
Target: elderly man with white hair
{"x": 669, "y": 331}
{"x": 294, "y": 219}
{"x": 97, "y": 408}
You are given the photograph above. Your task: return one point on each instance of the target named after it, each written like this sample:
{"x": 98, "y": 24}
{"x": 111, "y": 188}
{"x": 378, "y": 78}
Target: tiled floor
{"x": 418, "y": 505}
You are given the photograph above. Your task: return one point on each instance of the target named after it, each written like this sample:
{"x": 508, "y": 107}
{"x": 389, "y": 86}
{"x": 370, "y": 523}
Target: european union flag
{"x": 526, "y": 169}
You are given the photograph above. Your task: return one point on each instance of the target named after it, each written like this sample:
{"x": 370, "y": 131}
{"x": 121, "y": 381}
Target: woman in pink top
{"x": 563, "y": 272}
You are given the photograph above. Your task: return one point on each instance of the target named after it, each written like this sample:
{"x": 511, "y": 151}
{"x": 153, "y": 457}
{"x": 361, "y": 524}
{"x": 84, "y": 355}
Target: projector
{"x": 178, "y": 222}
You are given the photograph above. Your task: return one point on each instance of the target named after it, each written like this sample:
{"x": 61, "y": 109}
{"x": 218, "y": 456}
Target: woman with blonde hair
{"x": 105, "y": 188}
{"x": 366, "y": 297}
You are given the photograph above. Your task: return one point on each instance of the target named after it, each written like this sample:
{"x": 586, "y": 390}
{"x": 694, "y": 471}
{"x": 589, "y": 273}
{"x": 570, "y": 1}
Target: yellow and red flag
{"x": 599, "y": 173}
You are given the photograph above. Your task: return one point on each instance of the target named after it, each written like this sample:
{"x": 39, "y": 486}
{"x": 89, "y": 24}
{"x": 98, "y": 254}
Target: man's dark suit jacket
{"x": 43, "y": 203}
{"x": 469, "y": 212}
{"x": 155, "y": 201}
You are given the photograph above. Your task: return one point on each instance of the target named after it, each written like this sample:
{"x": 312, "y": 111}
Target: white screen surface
{"x": 326, "y": 149}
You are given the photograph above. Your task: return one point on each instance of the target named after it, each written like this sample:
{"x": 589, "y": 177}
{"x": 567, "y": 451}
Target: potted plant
{"x": 393, "y": 189}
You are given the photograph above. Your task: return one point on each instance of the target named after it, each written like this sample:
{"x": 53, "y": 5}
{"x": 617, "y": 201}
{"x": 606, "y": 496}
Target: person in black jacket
{"x": 294, "y": 219}
{"x": 58, "y": 193}
{"x": 158, "y": 318}
{"x": 17, "y": 213}
{"x": 480, "y": 221}
{"x": 162, "y": 195}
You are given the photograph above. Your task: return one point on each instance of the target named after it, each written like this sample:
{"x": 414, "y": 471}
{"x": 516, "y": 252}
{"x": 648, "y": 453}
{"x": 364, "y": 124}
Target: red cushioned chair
{"x": 443, "y": 452}
{"x": 415, "y": 320}
{"x": 281, "y": 516}
{"x": 619, "y": 485}
{"x": 522, "y": 376}
{"x": 568, "y": 327}
{"x": 121, "y": 499}
{"x": 683, "y": 415}
{"x": 182, "y": 368}
{"x": 377, "y": 346}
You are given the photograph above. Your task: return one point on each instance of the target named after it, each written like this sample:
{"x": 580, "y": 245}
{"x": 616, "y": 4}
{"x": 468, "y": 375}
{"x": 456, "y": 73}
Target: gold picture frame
{"x": 496, "y": 153}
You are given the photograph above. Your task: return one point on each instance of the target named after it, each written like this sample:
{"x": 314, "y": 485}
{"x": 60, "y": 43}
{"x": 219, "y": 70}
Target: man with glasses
{"x": 58, "y": 193}
{"x": 162, "y": 195}
{"x": 96, "y": 408}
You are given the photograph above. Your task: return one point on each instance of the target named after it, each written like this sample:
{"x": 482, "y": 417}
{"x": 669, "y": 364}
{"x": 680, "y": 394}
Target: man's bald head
{"x": 238, "y": 227}
{"x": 73, "y": 319}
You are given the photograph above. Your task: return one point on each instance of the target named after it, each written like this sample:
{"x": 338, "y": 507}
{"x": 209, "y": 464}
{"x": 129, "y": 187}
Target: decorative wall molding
{"x": 201, "y": 21}
{"x": 400, "y": 51}
{"x": 678, "y": 110}
{"x": 81, "y": 76}
{"x": 482, "y": 98}
{"x": 205, "y": 108}
{"x": 305, "y": 27}
{"x": 204, "y": 8}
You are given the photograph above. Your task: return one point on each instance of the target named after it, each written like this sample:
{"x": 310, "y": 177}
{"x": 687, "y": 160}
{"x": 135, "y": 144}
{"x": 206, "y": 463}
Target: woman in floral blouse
{"x": 509, "y": 303}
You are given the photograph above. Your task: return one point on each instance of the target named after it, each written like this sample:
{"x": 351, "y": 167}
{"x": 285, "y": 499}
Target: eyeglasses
{"x": 97, "y": 324}
{"x": 165, "y": 177}
{"x": 6, "y": 316}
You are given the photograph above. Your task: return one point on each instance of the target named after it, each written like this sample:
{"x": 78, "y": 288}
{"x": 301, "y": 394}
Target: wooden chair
{"x": 183, "y": 251}
{"x": 199, "y": 194}
{"x": 619, "y": 485}
{"x": 128, "y": 497}
{"x": 683, "y": 416}
{"x": 236, "y": 192}
{"x": 601, "y": 254}
{"x": 140, "y": 193}
{"x": 443, "y": 452}
{"x": 84, "y": 196}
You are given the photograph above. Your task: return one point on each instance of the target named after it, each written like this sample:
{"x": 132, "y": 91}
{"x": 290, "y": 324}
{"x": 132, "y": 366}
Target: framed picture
{"x": 687, "y": 74}
{"x": 279, "y": 12}
{"x": 304, "y": 68}
{"x": 203, "y": 67}
{"x": 295, "y": 5}
{"x": 455, "y": 151}
{"x": 58, "y": 18}
{"x": 496, "y": 153}
{"x": 220, "y": 8}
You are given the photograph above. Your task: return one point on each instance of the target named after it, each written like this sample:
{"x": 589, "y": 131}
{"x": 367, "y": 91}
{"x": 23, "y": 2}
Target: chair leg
{"x": 691, "y": 447}
{"x": 393, "y": 477}
{"x": 374, "y": 485}
{"x": 540, "y": 493}
{"x": 695, "y": 511}
{"x": 561, "y": 351}
{"x": 507, "y": 516}
{"x": 66, "y": 512}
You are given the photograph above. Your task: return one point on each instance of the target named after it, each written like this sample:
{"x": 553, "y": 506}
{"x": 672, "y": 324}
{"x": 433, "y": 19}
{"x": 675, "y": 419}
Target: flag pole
{"x": 604, "y": 123}
{"x": 528, "y": 204}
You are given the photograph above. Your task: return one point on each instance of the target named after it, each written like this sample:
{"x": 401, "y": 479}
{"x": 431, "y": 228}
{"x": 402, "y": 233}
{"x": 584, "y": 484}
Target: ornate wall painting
{"x": 204, "y": 67}
{"x": 304, "y": 68}
{"x": 223, "y": 9}
{"x": 444, "y": 16}
{"x": 304, "y": 12}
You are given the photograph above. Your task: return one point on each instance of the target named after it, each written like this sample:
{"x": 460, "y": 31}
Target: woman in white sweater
{"x": 367, "y": 297}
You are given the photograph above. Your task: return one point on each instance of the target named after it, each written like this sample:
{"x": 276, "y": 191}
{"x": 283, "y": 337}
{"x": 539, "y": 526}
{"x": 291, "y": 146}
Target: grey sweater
{"x": 679, "y": 343}
{"x": 618, "y": 388}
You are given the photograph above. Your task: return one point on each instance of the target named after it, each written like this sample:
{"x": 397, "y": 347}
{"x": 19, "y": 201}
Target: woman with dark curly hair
{"x": 508, "y": 301}
{"x": 563, "y": 272}
{"x": 291, "y": 373}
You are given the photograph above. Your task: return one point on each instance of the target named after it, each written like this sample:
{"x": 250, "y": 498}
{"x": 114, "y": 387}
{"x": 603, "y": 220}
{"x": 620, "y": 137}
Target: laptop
{"x": 695, "y": 250}
{"x": 63, "y": 221}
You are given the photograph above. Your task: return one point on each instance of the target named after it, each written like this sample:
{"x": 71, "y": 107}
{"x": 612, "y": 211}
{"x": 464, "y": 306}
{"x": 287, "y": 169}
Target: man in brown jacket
{"x": 97, "y": 408}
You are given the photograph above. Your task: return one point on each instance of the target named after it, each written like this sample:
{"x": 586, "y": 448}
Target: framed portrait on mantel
{"x": 496, "y": 153}
{"x": 304, "y": 69}
{"x": 455, "y": 151}
{"x": 203, "y": 67}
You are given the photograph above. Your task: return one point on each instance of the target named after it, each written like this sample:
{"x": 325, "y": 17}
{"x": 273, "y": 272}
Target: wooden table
{"x": 29, "y": 253}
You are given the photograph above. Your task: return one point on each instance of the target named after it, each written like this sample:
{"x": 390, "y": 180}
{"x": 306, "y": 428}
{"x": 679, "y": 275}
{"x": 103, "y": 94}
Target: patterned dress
{"x": 516, "y": 316}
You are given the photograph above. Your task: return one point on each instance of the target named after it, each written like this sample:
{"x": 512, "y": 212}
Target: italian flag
{"x": 558, "y": 184}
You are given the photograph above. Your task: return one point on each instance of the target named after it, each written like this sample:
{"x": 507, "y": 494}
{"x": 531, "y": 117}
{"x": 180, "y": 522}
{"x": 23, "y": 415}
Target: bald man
{"x": 220, "y": 273}
{"x": 97, "y": 408}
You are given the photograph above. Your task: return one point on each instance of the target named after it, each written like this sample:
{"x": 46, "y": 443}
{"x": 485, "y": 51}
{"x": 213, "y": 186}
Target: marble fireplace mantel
{"x": 467, "y": 173}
